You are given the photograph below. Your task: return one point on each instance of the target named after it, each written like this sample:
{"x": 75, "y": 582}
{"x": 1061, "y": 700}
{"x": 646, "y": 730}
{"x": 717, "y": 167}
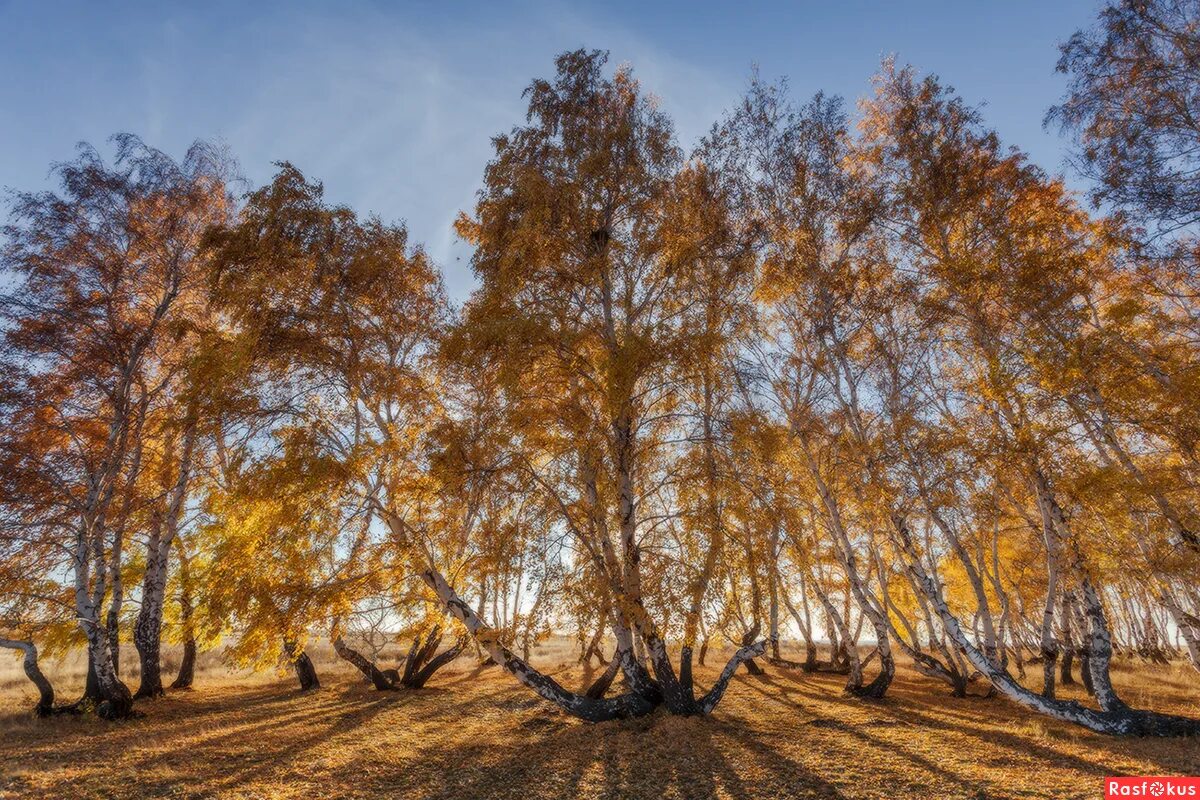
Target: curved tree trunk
{"x": 600, "y": 686}
{"x": 45, "y": 704}
{"x": 747, "y": 640}
{"x": 1113, "y": 718}
{"x": 804, "y": 624}
{"x": 593, "y": 646}
{"x": 631, "y": 704}
{"x": 366, "y": 666}
{"x": 858, "y": 586}
{"x": 1188, "y": 626}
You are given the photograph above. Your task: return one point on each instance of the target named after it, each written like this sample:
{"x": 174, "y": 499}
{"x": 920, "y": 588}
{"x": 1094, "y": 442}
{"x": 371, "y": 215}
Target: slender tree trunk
{"x": 878, "y": 687}
{"x": 804, "y": 623}
{"x": 1064, "y": 676}
{"x": 113, "y": 620}
{"x": 593, "y": 647}
{"x": 187, "y": 666}
{"x": 149, "y": 620}
{"x": 1053, "y": 568}
{"x": 773, "y": 598}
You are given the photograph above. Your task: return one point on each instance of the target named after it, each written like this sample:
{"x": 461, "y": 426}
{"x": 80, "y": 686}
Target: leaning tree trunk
{"x": 45, "y": 703}
{"x": 600, "y": 686}
{"x": 635, "y": 703}
{"x": 419, "y": 668}
{"x": 840, "y": 642}
{"x": 593, "y": 647}
{"x": 748, "y": 639}
{"x": 878, "y": 687}
{"x": 805, "y": 625}
{"x": 378, "y": 678}
{"x": 1109, "y": 720}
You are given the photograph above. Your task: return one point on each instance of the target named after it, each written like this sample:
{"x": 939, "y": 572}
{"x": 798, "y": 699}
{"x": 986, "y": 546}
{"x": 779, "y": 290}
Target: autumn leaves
{"x": 877, "y": 369}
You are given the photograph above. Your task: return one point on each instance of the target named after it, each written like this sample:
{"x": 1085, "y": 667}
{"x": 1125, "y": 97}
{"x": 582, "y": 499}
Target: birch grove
{"x": 848, "y": 388}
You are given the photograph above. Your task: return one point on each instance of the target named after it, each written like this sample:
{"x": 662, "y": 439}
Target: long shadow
{"x": 186, "y": 720}
{"x": 203, "y": 735}
{"x": 322, "y": 725}
{"x": 652, "y": 757}
{"x": 909, "y": 707}
{"x": 855, "y": 731}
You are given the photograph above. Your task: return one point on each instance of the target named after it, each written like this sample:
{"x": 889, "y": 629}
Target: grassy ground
{"x": 475, "y": 733}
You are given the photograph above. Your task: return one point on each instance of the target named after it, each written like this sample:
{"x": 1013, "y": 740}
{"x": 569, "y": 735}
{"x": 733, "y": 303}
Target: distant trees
{"x": 875, "y": 375}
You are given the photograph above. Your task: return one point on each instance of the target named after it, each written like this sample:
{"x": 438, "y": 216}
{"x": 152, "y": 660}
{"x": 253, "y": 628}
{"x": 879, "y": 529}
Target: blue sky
{"x": 392, "y": 104}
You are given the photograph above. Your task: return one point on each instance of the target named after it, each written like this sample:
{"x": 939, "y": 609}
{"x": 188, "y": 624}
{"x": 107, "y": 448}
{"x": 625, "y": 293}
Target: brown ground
{"x": 475, "y": 733}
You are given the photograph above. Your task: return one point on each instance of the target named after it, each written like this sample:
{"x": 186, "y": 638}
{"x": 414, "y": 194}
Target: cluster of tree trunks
{"x": 420, "y": 664}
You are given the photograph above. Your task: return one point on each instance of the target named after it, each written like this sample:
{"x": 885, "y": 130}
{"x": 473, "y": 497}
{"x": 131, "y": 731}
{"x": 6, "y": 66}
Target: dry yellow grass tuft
{"x": 475, "y": 733}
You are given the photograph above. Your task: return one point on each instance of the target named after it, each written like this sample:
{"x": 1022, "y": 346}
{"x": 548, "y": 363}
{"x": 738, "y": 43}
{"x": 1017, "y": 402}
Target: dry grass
{"x": 475, "y": 733}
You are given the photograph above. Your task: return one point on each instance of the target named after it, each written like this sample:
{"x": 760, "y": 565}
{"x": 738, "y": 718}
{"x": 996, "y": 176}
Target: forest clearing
{"x": 840, "y": 450}
{"x": 784, "y": 734}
